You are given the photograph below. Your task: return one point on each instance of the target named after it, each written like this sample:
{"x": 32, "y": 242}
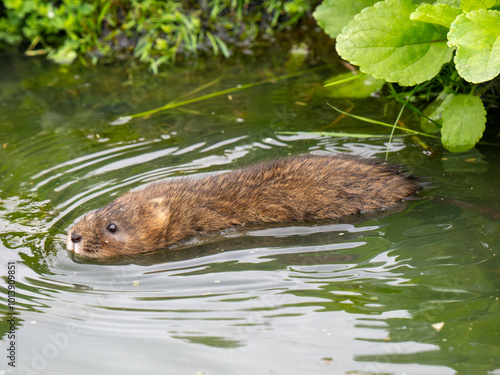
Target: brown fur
{"x": 303, "y": 188}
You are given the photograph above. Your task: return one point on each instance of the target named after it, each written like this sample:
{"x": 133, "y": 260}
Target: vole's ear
{"x": 160, "y": 211}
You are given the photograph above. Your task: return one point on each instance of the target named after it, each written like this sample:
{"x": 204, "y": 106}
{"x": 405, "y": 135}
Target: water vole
{"x": 303, "y": 188}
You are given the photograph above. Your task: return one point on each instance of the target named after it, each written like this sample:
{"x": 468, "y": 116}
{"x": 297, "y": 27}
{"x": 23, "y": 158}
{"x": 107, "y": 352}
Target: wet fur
{"x": 304, "y": 188}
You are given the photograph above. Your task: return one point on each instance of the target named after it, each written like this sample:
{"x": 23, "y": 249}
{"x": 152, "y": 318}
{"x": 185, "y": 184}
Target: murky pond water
{"x": 411, "y": 291}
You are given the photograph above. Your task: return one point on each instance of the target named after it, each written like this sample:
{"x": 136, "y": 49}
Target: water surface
{"x": 411, "y": 291}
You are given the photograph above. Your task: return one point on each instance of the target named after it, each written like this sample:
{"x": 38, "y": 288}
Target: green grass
{"x": 153, "y": 32}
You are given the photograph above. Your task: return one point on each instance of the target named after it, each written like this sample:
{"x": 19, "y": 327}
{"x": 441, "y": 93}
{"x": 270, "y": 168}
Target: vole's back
{"x": 305, "y": 188}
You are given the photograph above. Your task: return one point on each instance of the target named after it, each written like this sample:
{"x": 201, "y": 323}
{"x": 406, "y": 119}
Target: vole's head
{"x": 126, "y": 226}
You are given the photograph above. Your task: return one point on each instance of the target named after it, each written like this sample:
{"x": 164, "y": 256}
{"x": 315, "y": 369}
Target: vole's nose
{"x": 76, "y": 238}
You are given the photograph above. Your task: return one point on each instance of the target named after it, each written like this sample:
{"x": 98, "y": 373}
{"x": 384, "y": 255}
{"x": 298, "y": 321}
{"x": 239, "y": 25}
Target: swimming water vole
{"x": 302, "y": 188}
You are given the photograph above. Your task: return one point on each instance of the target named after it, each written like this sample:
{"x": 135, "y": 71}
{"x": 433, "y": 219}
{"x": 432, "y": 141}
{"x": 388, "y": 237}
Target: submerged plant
{"x": 403, "y": 42}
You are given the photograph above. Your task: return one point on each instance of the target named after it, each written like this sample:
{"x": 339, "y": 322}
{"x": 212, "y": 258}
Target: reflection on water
{"x": 410, "y": 290}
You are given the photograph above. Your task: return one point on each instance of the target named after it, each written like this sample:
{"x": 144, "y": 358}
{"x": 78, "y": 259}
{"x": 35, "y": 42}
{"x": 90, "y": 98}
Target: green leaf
{"x": 333, "y": 15}
{"x": 20, "y": 7}
{"x": 223, "y": 46}
{"x": 453, "y": 3}
{"x": 384, "y": 42}
{"x": 441, "y": 14}
{"x": 64, "y": 55}
{"x": 464, "y": 119}
{"x": 362, "y": 87}
{"x": 468, "y": 5}
{"x": 433, "y": 113}
{"x": 13, "y": 4}
{"x": 476, "y": 36}
{"x": 86, "y": 9}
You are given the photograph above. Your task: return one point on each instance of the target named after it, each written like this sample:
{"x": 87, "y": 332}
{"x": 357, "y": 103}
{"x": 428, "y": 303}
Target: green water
{"x": 411, "y": 291}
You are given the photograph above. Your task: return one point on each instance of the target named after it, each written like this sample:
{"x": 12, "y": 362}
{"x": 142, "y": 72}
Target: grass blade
{"x": 365, "y": 119}
{"x": 175, "y": 104}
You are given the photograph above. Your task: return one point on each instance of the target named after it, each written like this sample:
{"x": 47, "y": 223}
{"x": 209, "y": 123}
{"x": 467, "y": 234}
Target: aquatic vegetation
{"x": 154, "y": 32}
{"x": 412, "y": 44}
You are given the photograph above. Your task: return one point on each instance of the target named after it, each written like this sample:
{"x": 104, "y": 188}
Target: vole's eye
{"x": 112, "y": 228}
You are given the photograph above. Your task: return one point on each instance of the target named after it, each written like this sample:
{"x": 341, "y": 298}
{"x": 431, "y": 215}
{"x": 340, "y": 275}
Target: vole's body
{"x": 303, "y": 188}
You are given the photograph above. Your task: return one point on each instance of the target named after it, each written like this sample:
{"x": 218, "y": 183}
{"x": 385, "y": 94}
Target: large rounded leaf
{"x": 469, "y": 5}
{"x": 464, "y": 120}
{"x": 441, "y": 14}
{"x": 333, "y": 15}
{"x": 477, "y": 38}
{"x": 384, "y": 42}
